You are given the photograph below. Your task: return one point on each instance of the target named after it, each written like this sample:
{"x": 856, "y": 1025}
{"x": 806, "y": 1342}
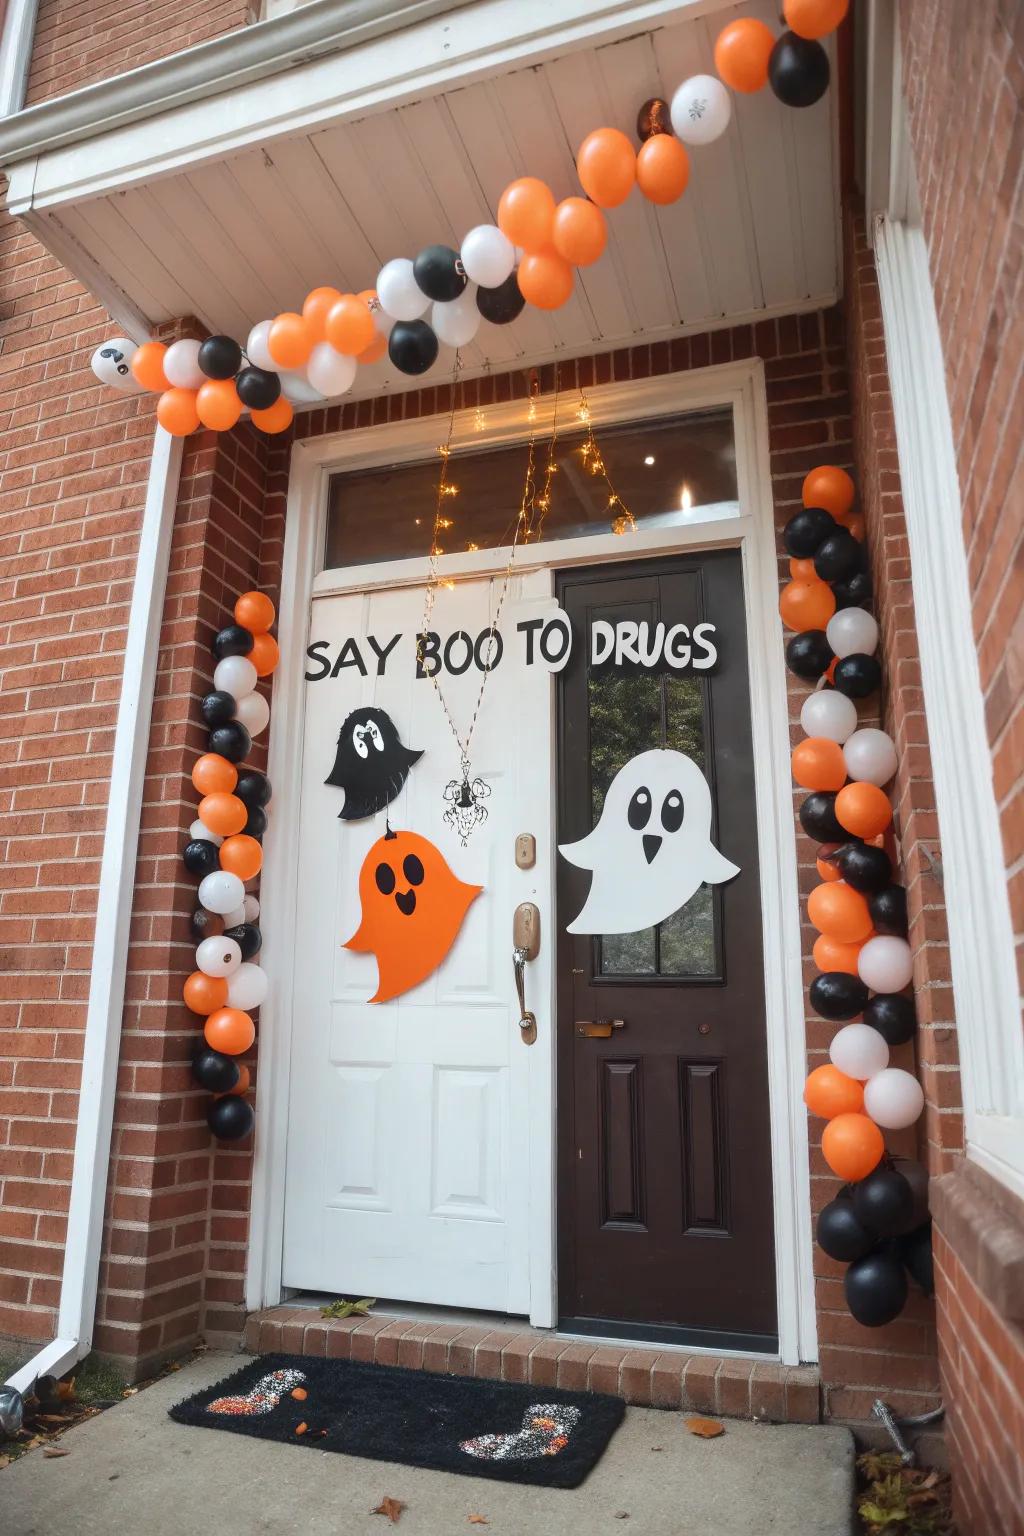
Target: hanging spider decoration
{"x": 466, "y": 810}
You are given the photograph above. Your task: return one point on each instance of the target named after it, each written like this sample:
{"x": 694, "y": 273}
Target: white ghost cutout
{"x": 652, "y": 847}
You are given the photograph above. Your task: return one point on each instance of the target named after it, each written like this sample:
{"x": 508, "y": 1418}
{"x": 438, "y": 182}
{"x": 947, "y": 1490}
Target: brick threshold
{"x": 649, "y": 1377}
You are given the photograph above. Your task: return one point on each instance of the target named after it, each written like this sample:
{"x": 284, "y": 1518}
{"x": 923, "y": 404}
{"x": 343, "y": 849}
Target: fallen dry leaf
{"x": 707, "y": 1429}
{"x": 621, "y": 1514}
{"x": 300, "y": 1429}
{"x": 390, "y": 1507}
{"x": 477, "y": 1520}
{"x": 54, "y": 1450}
{"x": 300, "y": 1394}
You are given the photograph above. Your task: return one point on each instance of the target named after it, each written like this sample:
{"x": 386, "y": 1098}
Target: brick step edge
{"x": 650, "y": 1378}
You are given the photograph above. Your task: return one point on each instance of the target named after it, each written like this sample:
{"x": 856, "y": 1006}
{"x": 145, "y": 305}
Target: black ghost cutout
{"x": 371, "y": 764}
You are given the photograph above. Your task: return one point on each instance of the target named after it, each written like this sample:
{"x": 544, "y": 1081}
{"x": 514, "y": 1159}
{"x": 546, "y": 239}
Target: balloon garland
{"x": 528, "y": 256}
{"x": 878, "y": 1225}
{"x": 224, "y": 851}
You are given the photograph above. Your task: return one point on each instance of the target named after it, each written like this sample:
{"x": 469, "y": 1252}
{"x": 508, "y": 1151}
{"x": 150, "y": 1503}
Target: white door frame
{"x": 740, "y": 387}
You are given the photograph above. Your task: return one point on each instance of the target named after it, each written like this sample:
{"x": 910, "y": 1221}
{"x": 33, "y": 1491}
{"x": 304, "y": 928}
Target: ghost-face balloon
{"x": 371, "y": 764}
{"x": 651, "y": 849}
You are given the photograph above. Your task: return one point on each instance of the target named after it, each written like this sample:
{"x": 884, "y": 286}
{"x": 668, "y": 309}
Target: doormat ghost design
{"x": 652, "y": 847}
{"x": 412, "y": 907}
{"x": 371, "y": 764}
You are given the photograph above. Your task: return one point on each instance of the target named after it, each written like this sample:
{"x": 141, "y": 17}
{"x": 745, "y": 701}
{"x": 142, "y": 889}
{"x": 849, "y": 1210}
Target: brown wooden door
{"x": 665, "y": 1195}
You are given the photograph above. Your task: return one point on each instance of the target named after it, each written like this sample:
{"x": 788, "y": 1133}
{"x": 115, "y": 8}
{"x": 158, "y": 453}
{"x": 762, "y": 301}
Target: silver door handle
{"x": 527, "y": 1021}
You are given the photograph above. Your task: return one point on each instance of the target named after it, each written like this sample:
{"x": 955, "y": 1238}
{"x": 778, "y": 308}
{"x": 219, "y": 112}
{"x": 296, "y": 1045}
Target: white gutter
{"x": 19, "y": 26}
{"x": 113, "y": 919}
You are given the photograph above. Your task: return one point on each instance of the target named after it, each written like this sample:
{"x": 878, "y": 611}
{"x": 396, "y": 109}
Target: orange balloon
{"x": 242, "y": 1086}
{"x": 836, "y": 910}
{"x": 229, "y": 1030}
{"x": 218, "y": 404}
{"x": 852, "y": 1145}
{"x": 814, "y": 18}
{"x": 545, "y": 280}
{"x": 350, "y": 327}
{"x": 205, "y": 994}
{"x": 241, "y": 855}
{"x": 742, "y": 51}
{"x": 526, "y": 213}
{"x": 829, "y": 1092}
{"x": 854, "y": 521}
{"x": 274, "y": 418}
{"x": 213, "y": 774}
{"x": 148, "y": 366}
{"x": 830, "y": 671}
{"x": 375, "y": 351}
{"x": 606, "y": 167}
{"x": 255, "y": 612}
{"x": 176, "y": 412}
{"x": 223, "y": 813}
{"x": 580, "y": 231}
{"x": 806, "y": 604}
{"x": 289, "y": 341}
{"x": 265, "y": 654}
{"x": 662, "y": 168}
{"x": 803, "y": 570}
{"x": 826, "y": 869}
{"x": 819, "y": 764}
{"x": 863, "y": 809}
{"x": 317, "y": 307}
{"x": 830, "y": 955}
{"x": 830, "y": 488}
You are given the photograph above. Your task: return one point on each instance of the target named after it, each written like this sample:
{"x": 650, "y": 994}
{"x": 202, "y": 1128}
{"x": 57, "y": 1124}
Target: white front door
{"x": 420, "y": 1129}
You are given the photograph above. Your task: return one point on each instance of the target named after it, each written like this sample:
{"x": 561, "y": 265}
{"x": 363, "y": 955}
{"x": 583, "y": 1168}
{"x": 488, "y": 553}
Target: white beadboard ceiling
{"x": 238, "y": 240}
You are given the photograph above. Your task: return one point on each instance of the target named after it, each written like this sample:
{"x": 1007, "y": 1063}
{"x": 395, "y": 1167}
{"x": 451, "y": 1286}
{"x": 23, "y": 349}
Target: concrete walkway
{"x": 133, "y": 1469}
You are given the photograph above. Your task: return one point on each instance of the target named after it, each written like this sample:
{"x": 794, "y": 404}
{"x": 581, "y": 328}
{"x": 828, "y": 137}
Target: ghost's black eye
{"x": 412, "y": 869}
{"x": 672, "y": 811}
{"x": 639, "y": 813}
{"x": 385, "y": 878}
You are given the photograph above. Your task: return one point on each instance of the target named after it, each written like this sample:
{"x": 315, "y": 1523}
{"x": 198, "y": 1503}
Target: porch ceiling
{"x": 238, "y": 237}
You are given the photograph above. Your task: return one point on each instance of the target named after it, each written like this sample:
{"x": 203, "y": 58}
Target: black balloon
{"x": 232, "y": 640}
{"x": 200, "y": 857}
{"x": 806, "y": 530}
{"x": 253, "y": 788}
{"x": 205, "y": 925}
{"x": 876, "y": 1288}
{"x": 231, "y": 741}
{"x": 798, "y": 70}
{"x": 809, "y": 654}
{"x": 888, "y": 910}
{"x": 232, "y": 1118}
{"x": 503, "y": 304}
{"x": 214, "y": 1070}
{"x": 220, "y": 357}
{"x": 439, "y": 273}
{"x": 916, "y": 1176}
{"x": 256, "y": 824}
{"x": 838, "y": 556}
{"x": 837, "y": 995}
{"x": 857, "y": 676}
{"x": 818, "y": 817}
{"x": 854, "y": 591}
{"x": 258, "y": 388}
{"x": 841, "y": 1234}
{"x": 248, "y": 938}
{"x": 884, "y": 1203}
{"x": 893, "y": 1015}
{"x": 866, "y": 869}
{"x": 412, "y": 346}
{"x": 916, "y": 1252}
{"x": 653, "y": 117}
{"x": 218, "y": 707}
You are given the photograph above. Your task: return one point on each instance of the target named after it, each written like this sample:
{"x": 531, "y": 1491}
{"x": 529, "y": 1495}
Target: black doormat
{"x": 498, "y": 1429}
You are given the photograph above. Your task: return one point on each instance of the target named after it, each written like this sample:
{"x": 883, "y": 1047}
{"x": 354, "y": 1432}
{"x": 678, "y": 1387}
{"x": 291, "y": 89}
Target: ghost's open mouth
{"x": 651, "y": 845}
{"x": 405, "y": 901}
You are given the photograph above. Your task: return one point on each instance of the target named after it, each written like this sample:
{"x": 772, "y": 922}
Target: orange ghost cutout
{"x": 412, "y": 909}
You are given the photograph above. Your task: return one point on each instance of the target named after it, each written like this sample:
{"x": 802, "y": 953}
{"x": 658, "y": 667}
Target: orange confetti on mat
{"x": 300, "y": 1394}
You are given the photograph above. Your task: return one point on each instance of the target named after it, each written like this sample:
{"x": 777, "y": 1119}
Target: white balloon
{"x": 218, "y": 957}
{"x": 200, "y": 831}
{"x": 857, "y": 1049}
{"x": 381, "y": 319}
{"x": 852, "y": 632}
{"x": 399, "y": 292}
{"x": 234, "y": 917}
{"x": 298, "y": 388}
{"x": 112, "y": 364}
{"x": 181, "y": 365}
{"x": 235, "y": 675}
{"x": 488, "y": 256}
{"x": 247, "y": 988}
{"x": 830, "y": 714}
{"x": 457, "y": 322}
{"x": 257, "y": 350}
{"x": 221, "y": 891}
{"x": 700, "y": 110}
{"x": 886, "y": 964}
{"x": 254, "y": 713}
{"x": 330, "y": 372}
{"x": 894, "y": 1099}
{"x": 252, "y": 909}
{"x": 870, "y": 754}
